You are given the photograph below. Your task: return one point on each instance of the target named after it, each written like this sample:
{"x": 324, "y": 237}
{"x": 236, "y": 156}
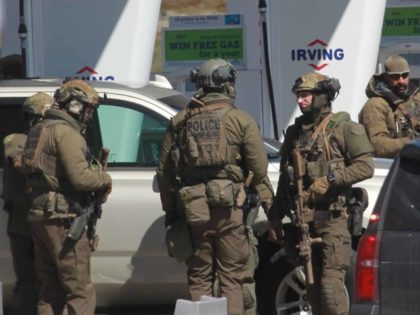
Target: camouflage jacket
{"x": 15, "y": 195}
{"x": 389, "y": 120}
{"x": 65, "y": 174}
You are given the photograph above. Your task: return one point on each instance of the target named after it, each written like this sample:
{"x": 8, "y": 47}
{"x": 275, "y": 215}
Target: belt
{"x": 66, "y": 222}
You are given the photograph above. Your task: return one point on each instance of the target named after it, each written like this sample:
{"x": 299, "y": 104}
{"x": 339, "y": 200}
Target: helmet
{"x": 37, "y": 104}
{"x": 317, "y": 83}
{"x": 213, "y": 74}
{"x": 75, "y": 95}
{"x": 308, "y": 82}
{"x": 76, "y": 90}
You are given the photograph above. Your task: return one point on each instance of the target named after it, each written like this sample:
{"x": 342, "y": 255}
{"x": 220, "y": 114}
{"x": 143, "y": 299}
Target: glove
{"x": 103, "y": 195}
{"x": 170, "y": 217}
{"x": 318, "y": 189}
{"x": 275, "y": 230}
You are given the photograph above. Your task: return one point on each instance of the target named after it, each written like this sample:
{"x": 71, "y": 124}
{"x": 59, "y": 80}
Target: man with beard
{"x": 391, "y": 114}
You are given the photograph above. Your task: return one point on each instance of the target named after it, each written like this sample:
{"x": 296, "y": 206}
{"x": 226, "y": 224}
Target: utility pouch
{"x": 241, "y": 195}
{"x": 62, "y": 206}
{"x": 193, "y": 148}
{"x": 178, "y": 241}
{"x": 220, "y": 193}
{"x": 358, "y": 203}
{"x": 194, "y": 202}
{"x": 51, "y": 202}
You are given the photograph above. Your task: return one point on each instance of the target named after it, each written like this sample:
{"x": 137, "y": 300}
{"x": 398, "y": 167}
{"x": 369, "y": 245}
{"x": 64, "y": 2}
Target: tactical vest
{"x": 322, "y": 158}
{"x": 206, "y": 138}
{"x": 34, "y": 158}
{"x": 52, "y": 192}
{"x": 404, "y": 119}
{"x": 13, "y": 180}
{"x": 202, "y": 142}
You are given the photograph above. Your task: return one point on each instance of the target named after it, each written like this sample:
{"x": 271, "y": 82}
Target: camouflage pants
{"x": 330, "y": 260}
{"x": 220, "y": 247}
{"x": 248, "y": 285}
{"x": 25, "y": 292}
{"x": 63, "y": 269}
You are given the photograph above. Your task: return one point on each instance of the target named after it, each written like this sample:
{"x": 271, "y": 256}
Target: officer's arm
{"x": 71, "y": 151}
{"x": 256, "y": 161}
{"x": 374, "y": 117}
{"x": 356, "y": 148}
{"x": 165, "y": 177}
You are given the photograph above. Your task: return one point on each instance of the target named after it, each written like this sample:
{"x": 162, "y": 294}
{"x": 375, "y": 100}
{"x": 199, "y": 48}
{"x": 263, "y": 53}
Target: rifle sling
{"x": 321, "y": 129}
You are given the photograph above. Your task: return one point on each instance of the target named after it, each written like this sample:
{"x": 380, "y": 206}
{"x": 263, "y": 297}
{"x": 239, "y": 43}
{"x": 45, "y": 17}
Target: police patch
{"x": 206, "y": 139}
{"x": 358, "y": 130}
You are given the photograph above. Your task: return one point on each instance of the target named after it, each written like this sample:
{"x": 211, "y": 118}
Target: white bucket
{"x": 206, "y": 306}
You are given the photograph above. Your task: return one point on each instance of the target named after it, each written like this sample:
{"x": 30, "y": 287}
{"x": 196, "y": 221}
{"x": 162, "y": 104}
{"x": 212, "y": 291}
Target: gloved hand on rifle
{"x": 170, "y": 217}
{"x": 318, "y": 189}
{"x": 275, "y": 230}
{"x": 103, "y": 194}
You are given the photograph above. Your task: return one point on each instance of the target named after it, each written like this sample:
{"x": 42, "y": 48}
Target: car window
{"x": 403, "y": 208}
{"x": 133, "y": 135}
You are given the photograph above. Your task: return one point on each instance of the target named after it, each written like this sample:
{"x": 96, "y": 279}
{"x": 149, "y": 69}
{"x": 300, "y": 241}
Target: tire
{"x": 281, "y": 288}
{"x": 268, "y": 275}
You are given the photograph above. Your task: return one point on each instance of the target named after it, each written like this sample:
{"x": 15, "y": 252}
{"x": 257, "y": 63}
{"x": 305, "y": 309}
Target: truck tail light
{"x": 366, "y": 268}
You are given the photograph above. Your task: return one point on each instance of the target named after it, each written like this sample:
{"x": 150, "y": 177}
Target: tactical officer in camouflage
{"x": 207, "y": 153}
{"x": 337, "y": 154}
{"x": 391, "y": 115}
{"x": 62, "y": 181}
{"x": 17, "y": 203}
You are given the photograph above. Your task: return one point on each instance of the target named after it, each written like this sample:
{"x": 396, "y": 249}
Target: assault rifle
{"x": 303, "y": 214}
{"x": 79, "y": 224}
{"x": 252, "y": 203}
{"x": 89, "y": 215}
{"x": 97, "y": 201}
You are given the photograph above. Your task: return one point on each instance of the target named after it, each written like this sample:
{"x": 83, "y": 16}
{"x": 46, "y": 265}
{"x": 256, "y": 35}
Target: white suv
{"x": 131, "y": 266}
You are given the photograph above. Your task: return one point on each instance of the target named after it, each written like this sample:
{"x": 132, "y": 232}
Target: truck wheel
{"x": 291, "y": 295}
{"x": 281, "y": 288}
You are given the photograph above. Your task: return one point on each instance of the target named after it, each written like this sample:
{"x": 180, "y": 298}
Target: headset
{"x": 224, "y": 74}
{"x": 72, "y": 98}
{"x": 217, "y": 78}
{"x": 330, "y": 86}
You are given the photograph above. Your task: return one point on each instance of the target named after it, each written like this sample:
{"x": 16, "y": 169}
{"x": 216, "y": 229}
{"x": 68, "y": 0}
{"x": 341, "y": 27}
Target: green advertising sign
{"x": 404, "y": 21}
{"x": 202, "y": 44}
